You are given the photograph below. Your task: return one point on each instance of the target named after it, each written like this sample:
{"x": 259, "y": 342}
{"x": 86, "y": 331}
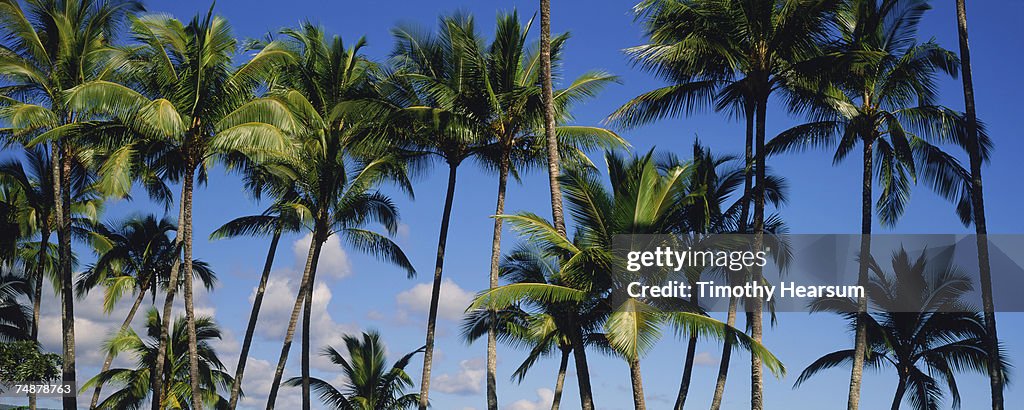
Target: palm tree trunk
{"x": 757, "y": 305}
{"x": 560, "y": 380}
{"x": 37, "y": 296}
{"x": 549, "y": 117}
{"x": 995, "y": 374}
{"x": 190, "y": 316}
{"x": 901, "y": 388}
{"x": 311, "y": 261}
{"x": 236, "y": 386}
{"x": 319, "y": 236}
{"x": 124, "y": 326}
{"x": 492, "y": 340}
{"x": 861, "y": 335}
{"x": 638, "y": 384}
{"x": 159, "y": 392}
{"x": 723, "y": 366}
{"x": 691, "y": 349}
{"x": 579, "y": 352}
{"x": 62, "y": 200}
{"x": 442, "y": 239}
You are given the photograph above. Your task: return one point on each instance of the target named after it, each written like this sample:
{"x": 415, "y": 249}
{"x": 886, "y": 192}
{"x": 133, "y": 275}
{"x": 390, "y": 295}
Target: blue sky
{"x": 356, "y": 293}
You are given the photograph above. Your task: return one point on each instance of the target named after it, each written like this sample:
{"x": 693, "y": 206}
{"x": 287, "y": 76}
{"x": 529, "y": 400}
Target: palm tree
{"x": 643, "y": 201}
{"x": 735, "y": 53}
{"x": 883, "y": 97}
{"x": 276, "y": 220}
{"x": 321, "y": 92}
{"x": 135, "y": 382}
{"x": 511, "y": 118}
{"x": 923, "y": 329}
{"x": 975, "y": 147}
{"x": 541, "y": 327}
{"x": 189, "y": 70}
{"x": 370, "y": 383}
{"x": 434, "y": 100}
{"x": 39, "y": 72}
{"x": 133, "y": 256}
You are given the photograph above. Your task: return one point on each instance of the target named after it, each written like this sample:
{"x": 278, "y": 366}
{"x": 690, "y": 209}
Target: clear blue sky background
{"x": 824, "y": 199}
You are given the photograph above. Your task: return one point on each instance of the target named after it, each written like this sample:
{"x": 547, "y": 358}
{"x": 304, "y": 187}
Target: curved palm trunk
{"x": 549, "y": 117}
{"x": 579, "y": 353}
{"x": 723, "y": 366}
{"x": 757, "y": 305}
{"x": 560, "y": 380}
{"x": 124, "y": 326}
{"x": 861, "y": 335}
{"x": 638, "y": 384}
{"x": 236, "y": 386}
{"x": 62, "y": 195}
{"x": 492, "y": 340}
{"x": 901, "y": 389}
{"x": 190, "y": 316}
{"x": 995, "y": 376}
{"x": 311, "y": 261}
{"x": 317, "y": 241}
{"x": 442, "y": 239}
{"x": 172, "y": 288}
{"x": 37, "y": 296}
{"x": 691, "y": 349}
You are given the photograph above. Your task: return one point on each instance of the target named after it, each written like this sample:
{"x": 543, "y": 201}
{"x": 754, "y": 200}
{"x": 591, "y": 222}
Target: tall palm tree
{"x": 643, "y": 201}
{"x": 49, "y": 49}
{"x": 437, "y": 101}
{"x": 134, "y": 383}
{"x": 923, "y": 329}
{"x": 511, "y": 116}
{"x": 189, "y": 70}
{"x": 883, "y": 97}
{"x": 320, "y": 93}
{"x": 370, "y": 383}
{"x": 733, "y": 53}
{"x": 276, "y": 220}
{"x": 974, "y": 145}
{"x": 133, "y": 256}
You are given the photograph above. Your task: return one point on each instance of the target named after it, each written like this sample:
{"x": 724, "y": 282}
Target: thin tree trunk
{"x": 492, "y": 340}
{"x": 861, "y": 335}
{"x": 159, "y": 392}
{"x": 37, "y": 297}
{"x": 62, "y": 199}
{"x": 319, "y": 236}
{"x": 236, "y": 386}
{"x": 901, "y": 389}
{"x": 442, "y": 239}
{"x": 723, "y": 366}
{"x": 549, "y": 117}
{"x": 560, "y": 380}
{"x": 638, "y": 384}
{"x": 995, "y": 374}
{"x": 124, "y": 326}
{"x": 190, "y": 316}
{"x": 579, "y": 352}
{"x": 756, "y": 327}
{"x": 311, "y": 261}
{"x": 691, "y": 350}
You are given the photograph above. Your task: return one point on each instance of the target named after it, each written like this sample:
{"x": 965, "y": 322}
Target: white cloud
{"x": 259, "y": 376}
{"x": 333, "y": 262}
{"x": 451, "y": 304}
{"x": 705, "y": 359}
{"x": 468, "y": 381}
{"x": 544, "y": 398}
